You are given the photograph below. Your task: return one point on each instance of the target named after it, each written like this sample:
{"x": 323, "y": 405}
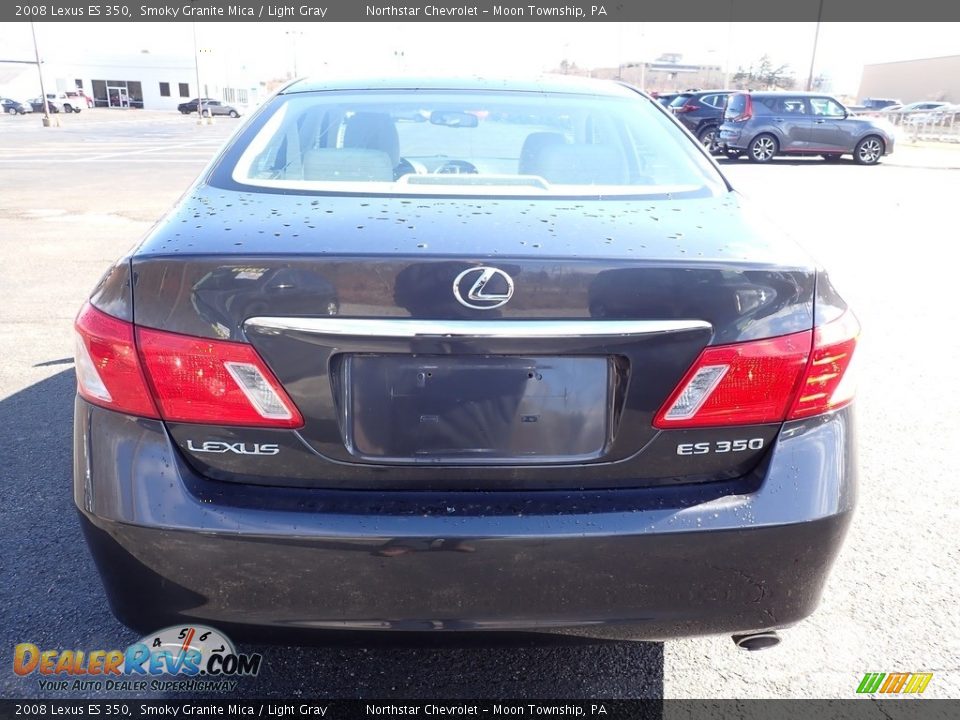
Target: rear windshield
{"x": 736, "y": 105}
{"x": 480, "y": 143}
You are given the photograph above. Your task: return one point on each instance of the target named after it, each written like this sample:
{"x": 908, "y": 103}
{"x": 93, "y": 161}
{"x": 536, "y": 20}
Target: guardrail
{"x": 932, "y": 125}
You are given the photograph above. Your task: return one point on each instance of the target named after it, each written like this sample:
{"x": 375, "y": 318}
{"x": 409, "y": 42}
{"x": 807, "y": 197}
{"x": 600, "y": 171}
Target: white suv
{"x": 64, "y": 103}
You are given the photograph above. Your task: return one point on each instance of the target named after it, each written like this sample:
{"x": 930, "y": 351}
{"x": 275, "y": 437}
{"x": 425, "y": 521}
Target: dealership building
{"x": 912, "y": 80}
{"x": 142, "y": 80}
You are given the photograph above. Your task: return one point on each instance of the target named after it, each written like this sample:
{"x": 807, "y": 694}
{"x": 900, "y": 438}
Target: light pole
{"x": 643, "y": 57}
{"x": 196, "y": 67}
{"x": 726, "y": 67}
{"x": 813, "y": 55}
{"x": 43, "y": 92}
{"x": 293, "y": 34}
{"x": 711, "y": 63}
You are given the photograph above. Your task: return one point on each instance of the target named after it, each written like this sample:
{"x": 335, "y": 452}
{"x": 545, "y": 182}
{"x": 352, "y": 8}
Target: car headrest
{"x": 349, "y": 164}
{"x": 580, "y": 165}
{"x": 533, "y": 146}
{"x": 373, "y": 131}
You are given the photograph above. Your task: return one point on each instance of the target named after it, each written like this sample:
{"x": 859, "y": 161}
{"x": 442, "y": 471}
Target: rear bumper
{"x": 731, "y": 138}
{"x": 653, "y": 564}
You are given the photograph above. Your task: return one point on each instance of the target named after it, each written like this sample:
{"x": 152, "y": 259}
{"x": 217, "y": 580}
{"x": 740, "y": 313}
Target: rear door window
{"x": 825, "y": 107}
{"x": 791, "y": 106}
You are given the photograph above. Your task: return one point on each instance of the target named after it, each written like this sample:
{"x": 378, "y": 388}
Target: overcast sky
{"x": 267, "y": 49}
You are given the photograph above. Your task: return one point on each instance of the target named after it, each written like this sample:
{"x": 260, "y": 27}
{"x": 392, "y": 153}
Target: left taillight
{"x": 197, "y": 380}
{"x": 108, "y": 368}
{"x": 176, "y": 377}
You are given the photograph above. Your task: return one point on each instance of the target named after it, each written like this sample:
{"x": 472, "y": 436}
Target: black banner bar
{"x": 866, "y": 708}
{"x": 482, "y": 11}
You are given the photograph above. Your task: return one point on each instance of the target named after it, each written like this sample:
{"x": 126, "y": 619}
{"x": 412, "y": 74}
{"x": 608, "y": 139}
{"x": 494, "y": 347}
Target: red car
{"x": 80, "y": 97}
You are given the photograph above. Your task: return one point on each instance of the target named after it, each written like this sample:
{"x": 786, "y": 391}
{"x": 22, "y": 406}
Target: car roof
{"x": 542, "y": 84}
{"x": 781, "y": 93}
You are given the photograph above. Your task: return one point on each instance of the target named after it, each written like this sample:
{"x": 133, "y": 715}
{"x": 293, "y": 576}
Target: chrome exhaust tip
{"x": 757, "y": 641}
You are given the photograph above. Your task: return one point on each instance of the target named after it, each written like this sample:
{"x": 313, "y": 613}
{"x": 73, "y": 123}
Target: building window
{"x": 242, "y": 96}
{"x": 184, "y": 90}
{"x": 164, "y": 89}
{"x": 228, "y": 95}
{"x": 135, "y": 93}
{"x": 79, "y": 83}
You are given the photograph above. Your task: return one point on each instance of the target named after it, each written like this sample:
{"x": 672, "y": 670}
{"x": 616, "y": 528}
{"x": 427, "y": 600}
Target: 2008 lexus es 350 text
{"x": 464, "y": 356}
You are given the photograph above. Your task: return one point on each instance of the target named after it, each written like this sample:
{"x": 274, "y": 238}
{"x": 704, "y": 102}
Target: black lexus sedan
{"x": 530, "y": 364}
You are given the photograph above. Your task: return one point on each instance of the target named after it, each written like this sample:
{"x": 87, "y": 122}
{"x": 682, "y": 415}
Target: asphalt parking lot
{"x": 74, "y": 198}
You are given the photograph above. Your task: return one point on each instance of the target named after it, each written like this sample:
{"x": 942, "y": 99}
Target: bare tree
{"x": 765, "y": 76}
{"x": 821, "y": 83}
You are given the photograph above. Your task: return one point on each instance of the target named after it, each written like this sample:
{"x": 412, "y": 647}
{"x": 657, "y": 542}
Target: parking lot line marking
{"x": 160, "y": 148}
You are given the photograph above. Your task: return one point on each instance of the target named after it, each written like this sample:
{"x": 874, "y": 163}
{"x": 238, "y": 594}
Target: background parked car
{"x": 922, "y": 105}
{"x": 65, "y": 102}
{"x": 665, "y": 98}
{"x": 923, "y": 113}
{"x": 78, "y": 99}
{"x": 878, "y": 103}
{"x": 37, "y": 105}
{"x": 701, "y": 113}
{"x": 15, "y": 107}
{"x": 58, "y": 102}
{"x": 947, "y": 112}
{"x": 210, "y": 107}
{"x": 767, "y": 124}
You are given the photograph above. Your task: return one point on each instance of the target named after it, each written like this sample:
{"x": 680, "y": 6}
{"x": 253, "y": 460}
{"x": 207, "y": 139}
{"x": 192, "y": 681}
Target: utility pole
{"x": 196, "y": 67}
{"x": 643, "y": 57}
{"x": 293, "y": 34}
{"x": 813, "y": 56}
{"x": 726, "y": 66}
{"x": 43, "y": 92}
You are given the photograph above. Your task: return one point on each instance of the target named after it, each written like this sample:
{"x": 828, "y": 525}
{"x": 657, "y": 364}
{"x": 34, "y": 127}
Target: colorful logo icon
{"x": 894, "y": 683}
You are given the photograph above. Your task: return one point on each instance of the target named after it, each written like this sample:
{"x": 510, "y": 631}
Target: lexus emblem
{"x": 483, "y": 288}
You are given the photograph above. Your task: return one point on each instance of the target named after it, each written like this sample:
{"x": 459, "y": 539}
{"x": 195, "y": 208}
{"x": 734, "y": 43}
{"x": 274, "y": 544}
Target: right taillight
{"x": 747, "y": 112}
{"x": 688, "y": 107}
{"x": 766, "y": 381}
{"x": 828, "y": 382}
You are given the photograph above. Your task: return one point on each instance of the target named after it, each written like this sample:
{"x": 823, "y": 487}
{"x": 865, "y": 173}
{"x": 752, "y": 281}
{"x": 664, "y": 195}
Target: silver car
{"x": 763, "y": 125}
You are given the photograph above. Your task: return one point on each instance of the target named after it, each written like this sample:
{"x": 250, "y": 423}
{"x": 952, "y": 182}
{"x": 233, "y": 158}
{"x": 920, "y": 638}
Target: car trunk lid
{"x": 402, "y": 384}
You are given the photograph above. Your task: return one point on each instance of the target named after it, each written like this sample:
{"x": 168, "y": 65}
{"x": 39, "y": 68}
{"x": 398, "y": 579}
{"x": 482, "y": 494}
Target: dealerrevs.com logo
{"x": 181, "y": 658}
